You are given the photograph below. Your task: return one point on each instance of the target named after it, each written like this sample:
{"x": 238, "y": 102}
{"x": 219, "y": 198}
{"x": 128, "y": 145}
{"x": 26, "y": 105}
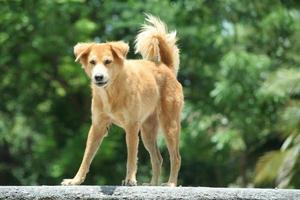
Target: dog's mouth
{"x": 101, "y": 84}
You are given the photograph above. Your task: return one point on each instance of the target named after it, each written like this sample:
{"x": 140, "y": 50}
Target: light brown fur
{"x": 140, "y": 96}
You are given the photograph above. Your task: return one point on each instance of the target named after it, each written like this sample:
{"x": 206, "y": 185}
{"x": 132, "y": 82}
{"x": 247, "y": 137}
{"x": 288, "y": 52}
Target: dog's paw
{"x": 168, "y": 184}
{"x": 73, "y": 181}
{"x": 129, "y": 183}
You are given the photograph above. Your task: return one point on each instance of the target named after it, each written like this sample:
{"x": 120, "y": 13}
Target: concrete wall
{"x": 142, "y": 192}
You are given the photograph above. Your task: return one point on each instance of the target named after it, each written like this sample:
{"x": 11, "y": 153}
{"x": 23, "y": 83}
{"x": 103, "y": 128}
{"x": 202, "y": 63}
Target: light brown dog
{"x": 137, "y": 95}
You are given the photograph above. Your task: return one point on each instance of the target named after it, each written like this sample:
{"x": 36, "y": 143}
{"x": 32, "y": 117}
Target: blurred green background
{"x": 240, "y": 68}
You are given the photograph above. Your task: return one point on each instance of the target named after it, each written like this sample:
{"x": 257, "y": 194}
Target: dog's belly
{"x": 123, "y": 119}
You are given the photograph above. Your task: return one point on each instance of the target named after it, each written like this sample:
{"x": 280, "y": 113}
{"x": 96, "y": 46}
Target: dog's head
{"x": 101, "y": 61}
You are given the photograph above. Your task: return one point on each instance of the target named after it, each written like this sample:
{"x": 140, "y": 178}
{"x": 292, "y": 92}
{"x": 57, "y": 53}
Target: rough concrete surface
{"x": 142, "y": 192}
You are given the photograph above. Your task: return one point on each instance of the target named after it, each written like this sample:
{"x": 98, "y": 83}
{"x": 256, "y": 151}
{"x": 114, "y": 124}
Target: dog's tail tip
{"x": 155, "y": 43}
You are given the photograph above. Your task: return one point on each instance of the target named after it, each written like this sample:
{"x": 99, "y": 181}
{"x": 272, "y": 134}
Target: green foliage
{"x": 283, "y": 83}
{"x": 239, "y": 68}
{"x": 281, "y": 166}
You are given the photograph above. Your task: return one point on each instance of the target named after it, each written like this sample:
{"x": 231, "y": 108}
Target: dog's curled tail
{"x": 156, "y": 44}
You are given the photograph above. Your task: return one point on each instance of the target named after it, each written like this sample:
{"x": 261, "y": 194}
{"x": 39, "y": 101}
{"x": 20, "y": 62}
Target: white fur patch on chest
{"x": 105, "y": 100}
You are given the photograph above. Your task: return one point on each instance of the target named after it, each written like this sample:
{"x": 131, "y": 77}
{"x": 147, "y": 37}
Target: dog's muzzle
{"x": 100, "y": 80}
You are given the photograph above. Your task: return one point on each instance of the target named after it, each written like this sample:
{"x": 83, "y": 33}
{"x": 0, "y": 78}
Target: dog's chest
{"x": 112, "y": 107}
{"x": 107, "y": 107}
{"x": 111, "y": 104}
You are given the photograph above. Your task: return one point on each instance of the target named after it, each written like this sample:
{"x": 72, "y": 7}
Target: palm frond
{"x": 286, "y": 169}
{"x": 282, "y": 83}
{"x": 268, "y": 166}
{"x": 290, "y": 118}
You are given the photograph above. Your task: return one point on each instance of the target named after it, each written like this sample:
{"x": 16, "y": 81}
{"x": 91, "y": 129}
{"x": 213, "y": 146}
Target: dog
{"x": 140, "y": 96}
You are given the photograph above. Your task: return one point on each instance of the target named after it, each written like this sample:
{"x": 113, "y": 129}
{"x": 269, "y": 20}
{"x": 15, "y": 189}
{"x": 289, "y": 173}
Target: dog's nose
{"x": 99, "y": 77}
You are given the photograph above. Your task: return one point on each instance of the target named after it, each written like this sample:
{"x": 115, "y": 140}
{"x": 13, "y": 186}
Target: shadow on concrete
{"x": 108, "y": 190}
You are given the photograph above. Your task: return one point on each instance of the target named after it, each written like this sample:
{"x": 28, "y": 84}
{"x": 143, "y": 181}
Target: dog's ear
{"x": 120, "y": 49}
{"x": 81, "y": 50}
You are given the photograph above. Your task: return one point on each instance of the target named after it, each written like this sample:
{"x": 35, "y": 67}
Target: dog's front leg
{"x": 96, "y": 134}
{"x": 132, "y": 141}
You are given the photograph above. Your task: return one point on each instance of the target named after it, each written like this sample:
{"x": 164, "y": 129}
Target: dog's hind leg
{"x": 169, "y": 118}
{"x": 149, "y": 133}
{"x": 172, "y": 130}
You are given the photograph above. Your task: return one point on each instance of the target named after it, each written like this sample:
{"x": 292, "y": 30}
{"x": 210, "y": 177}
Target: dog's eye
{"x": 93, "y": 62}
{"x": 106, "y": 62}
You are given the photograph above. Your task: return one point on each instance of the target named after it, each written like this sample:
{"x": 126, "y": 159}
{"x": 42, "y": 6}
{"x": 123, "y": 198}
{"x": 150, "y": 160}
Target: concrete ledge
{"x": 142, "y": 192}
